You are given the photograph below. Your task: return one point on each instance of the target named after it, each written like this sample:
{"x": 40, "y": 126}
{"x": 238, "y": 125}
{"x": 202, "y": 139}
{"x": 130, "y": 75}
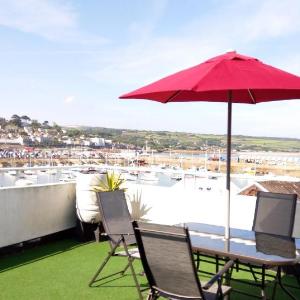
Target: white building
{"x": 13, "y": 141}
{"x": 108, "y": 142}
{"x": 44, "y": 139}
{"x": 98, "y": 142}
{"x": 68, "y": 141}
{"x": 86, "y": 143}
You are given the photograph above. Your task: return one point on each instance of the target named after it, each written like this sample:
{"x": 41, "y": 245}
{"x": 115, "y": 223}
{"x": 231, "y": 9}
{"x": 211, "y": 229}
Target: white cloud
{"x": 49, "y": 19}
{"x": 143, "y": 62}
{"x": 274, "y": 18}
{"x": 152, "y": 57}
{"x": 69, "y": 99}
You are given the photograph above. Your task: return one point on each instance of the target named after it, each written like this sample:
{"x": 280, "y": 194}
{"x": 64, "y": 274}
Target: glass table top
{"x": 245, "y": 245}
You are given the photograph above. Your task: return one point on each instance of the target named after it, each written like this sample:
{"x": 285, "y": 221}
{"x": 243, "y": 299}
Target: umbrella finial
{"x": 230, "y": 50}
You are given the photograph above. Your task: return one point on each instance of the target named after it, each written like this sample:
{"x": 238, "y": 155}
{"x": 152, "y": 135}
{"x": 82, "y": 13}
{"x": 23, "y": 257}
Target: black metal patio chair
{"x": 118, "y": 228}
{"x": 275, "y": 213}
{"x": 273, "y": 225}
{"x": 167, "y": 258}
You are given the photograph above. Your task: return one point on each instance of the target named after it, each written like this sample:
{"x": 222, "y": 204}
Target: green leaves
{"x": 111, "y": 182}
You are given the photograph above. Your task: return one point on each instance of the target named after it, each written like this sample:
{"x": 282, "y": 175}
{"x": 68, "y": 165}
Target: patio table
{"x": 242, "y": 247}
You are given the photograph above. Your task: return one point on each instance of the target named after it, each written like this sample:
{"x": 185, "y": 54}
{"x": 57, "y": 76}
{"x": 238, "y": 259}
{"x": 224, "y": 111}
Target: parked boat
{"x": 67, "y": 177}
{"x": 148, "y": 176}
{"x": 177, "y": 176}
{"x": 151, "y": 176}
{"x": 134, "y": 173}
{"x": 23, "y": 182}
{"x": 29, "y": 172}
{"x": 12, "y": 173}
{"x": 129, "y": 177}
{"x": 51, "y": 171}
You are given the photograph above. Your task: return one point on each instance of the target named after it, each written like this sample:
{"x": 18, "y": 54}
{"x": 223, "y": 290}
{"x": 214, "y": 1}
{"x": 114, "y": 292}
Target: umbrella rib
{"x": 172, "y": 96}
{"x": 251, "y": 96}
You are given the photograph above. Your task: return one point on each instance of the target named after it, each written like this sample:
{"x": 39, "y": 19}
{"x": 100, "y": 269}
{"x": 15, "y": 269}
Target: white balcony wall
{"x": 31, "y": 212}
{"x": 179, "y": 204}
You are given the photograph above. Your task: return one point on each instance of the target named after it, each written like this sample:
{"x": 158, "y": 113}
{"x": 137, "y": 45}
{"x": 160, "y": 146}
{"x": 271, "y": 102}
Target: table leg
{"x": 198, "y": 261}
{"x": 263, "y": 282}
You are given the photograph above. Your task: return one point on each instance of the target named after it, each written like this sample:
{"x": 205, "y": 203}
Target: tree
{"x": 14, "y": 117}
{"x": 25, "y": 118}
{"x": 74, "y": 132}
{"x": 3, "y": 122}
{"x": 16, "y": 120}
{"x": 57, "y": 127}
{"x": 46, "y": 124}
{"x": 23, "y": 134}
{"x": 35, "y": 124}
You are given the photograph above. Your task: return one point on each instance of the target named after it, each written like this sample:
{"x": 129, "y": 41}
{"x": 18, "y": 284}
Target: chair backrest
{"x": 275, "y": 213}
{"x": 167, "y": 259}
{"x": 271, "y": 244}
{"x": 115, "y": 216}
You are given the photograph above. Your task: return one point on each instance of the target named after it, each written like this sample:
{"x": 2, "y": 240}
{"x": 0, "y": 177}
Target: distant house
{"x": 98, "y": 142}
{"x": 27, "y": 129}
{"x": 274, "y": 186}
{"x": 86, "y": 143}
{"x": 67, "y": 141}
{"x": 15, "y": 141}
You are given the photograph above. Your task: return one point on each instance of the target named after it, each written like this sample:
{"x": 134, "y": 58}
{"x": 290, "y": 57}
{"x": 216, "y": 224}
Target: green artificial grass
{"x": 62, "y": 270}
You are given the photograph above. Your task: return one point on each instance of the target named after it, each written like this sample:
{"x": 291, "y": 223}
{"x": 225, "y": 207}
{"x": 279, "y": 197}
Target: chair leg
{"x": 110, "y": 254}
{"x": 298, "y": 280}
{"x": 100, "y": 269}
{"x": 284, "y": 289}
{"x": 126, "y": 268}
{"x": 129, "y": 265}
{"x": 152, "y": 296}
{"x": 130, "y": 261}
{"x": 149, "y": 297}
{"x": 274, "y": 290}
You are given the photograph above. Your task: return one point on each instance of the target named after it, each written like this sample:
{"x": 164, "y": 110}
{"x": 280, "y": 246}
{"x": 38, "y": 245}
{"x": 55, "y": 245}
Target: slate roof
{"x": 274, "y": 186}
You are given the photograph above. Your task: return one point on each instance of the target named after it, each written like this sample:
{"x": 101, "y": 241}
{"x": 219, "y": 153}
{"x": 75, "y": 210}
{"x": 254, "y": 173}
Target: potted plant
{"x": 111, "y": 186}
{"x": 110, "y": 183}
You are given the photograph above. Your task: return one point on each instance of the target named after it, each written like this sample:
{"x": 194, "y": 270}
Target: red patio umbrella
{"x": 231, "y": 78}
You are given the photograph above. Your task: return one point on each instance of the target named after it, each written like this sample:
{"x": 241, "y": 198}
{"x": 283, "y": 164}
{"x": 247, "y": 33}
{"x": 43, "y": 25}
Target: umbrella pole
{"x": 228, "y": 166}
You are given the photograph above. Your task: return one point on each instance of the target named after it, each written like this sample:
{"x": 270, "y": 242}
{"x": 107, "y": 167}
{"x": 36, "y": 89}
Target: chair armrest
{"x": 219, "y": 275}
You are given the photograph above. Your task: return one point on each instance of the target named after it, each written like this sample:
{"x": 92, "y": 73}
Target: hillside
{"x": 33, "y": 132}
{"x": 163, "y": 140}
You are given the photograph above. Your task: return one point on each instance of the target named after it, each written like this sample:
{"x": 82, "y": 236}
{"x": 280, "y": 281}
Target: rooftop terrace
{"x": 61, "y": 270}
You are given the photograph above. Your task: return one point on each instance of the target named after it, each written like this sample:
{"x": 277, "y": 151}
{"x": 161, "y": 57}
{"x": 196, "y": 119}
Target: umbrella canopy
{"x": 231, "y": 78}
{"x": 250, "y": 81}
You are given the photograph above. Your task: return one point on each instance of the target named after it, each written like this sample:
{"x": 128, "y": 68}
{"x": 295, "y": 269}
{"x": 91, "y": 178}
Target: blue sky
{"x": 68, "y": 61}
